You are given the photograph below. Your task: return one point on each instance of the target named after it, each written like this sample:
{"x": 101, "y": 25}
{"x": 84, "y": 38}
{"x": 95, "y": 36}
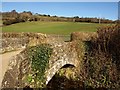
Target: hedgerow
{"x": 102, "y": 59}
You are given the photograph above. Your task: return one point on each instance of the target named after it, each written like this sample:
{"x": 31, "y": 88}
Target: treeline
{"x": 15, "y": 17}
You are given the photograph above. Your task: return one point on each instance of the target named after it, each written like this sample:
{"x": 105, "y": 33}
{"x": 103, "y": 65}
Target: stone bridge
{"x": 63, "y": 53}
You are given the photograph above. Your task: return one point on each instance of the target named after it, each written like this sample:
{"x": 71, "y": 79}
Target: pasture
{"x": 61, "y": 28}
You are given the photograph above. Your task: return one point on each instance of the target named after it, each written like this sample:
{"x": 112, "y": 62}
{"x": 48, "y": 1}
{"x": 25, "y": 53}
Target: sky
{"x": 108, "y": 10}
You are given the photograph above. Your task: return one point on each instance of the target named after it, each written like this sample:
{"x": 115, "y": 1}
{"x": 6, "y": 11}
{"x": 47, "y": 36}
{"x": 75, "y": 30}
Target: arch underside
{"x": 56, "y": 67}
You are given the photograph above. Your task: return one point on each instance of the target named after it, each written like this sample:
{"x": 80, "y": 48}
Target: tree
{"x": 76, "y": 17}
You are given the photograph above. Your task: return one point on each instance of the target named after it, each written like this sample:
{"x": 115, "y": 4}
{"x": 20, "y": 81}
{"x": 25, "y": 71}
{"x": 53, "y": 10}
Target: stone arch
{"x": 56, "y": 66}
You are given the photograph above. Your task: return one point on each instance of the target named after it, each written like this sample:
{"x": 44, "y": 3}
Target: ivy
{"x": 39, "y": 58}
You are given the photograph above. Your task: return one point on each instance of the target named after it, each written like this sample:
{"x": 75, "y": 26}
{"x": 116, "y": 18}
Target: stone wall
{"x": 14, "y": 41}
{"x": 18, "y": 67}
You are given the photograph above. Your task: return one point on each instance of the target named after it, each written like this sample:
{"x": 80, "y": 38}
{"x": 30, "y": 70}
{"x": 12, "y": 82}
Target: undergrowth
{"x": 102, "y": 59}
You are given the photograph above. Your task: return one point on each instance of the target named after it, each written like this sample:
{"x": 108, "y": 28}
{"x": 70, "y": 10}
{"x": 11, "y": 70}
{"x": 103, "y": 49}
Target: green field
{"x": 61, "y": 28}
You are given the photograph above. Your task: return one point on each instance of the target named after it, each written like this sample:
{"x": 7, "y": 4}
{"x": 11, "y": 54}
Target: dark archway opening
{"x": 68, "y": 66}
{"x": 63, "y": 83}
